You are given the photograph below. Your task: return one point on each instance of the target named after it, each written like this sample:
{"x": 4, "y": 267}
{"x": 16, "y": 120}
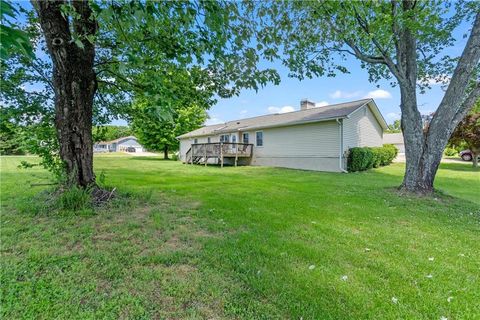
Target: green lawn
{"x": 187, "y": 242}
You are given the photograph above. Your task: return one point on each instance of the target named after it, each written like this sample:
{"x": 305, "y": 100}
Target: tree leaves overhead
{"x": 12, "y": 38}
{"x": 143, "y": 45}
{"x": 314, "y": 38}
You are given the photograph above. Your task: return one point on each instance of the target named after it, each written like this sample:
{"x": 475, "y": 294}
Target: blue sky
{"x": 344, "y": 87}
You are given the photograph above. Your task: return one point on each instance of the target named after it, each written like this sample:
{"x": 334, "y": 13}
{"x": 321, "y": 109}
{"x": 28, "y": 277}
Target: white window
{"x": 195, "y": 141}
{"x": 259, "y": 136}
{"x": 245, "y": 137}
{"x": 209, "y": 140}
{"x": 234, "y": 139}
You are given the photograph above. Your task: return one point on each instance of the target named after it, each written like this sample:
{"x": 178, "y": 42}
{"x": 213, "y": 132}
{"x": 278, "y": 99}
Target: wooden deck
{"x": 200, "y": 153}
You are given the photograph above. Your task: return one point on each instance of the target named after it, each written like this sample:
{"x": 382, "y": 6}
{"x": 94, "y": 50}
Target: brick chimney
{"x": 306, "y": 104}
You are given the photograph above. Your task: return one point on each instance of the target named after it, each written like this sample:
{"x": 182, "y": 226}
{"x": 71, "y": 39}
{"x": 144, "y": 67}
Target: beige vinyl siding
{"x": 362, "y": 129}
{"x": 308, "y": 146}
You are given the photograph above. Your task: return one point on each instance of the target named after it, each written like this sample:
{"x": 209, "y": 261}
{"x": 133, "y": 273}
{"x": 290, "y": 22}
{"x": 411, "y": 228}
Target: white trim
{"x": 375, "y": 112}
{"x": 340, "y": 154}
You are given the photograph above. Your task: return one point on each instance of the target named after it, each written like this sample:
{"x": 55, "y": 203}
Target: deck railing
{"x": 221, "y": 149}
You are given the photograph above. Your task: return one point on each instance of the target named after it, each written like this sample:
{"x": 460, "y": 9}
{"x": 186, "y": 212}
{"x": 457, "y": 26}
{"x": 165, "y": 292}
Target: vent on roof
{"x": 306, "y": 104}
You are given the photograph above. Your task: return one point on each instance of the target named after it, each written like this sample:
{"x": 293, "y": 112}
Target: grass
{"x": 189, "y": 242}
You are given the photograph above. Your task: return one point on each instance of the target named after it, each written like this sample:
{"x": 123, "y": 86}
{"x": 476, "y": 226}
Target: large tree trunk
{"x": 424, "y": 146}
{"x": 75, "y": 84}
{"x": 165, "y": 152}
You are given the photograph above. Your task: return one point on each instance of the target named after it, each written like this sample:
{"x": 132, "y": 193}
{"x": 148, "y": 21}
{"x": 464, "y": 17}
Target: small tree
{"x": 395, "y": 127}
{"x": 468, "y": 132}
{"x": 159, "y": 133}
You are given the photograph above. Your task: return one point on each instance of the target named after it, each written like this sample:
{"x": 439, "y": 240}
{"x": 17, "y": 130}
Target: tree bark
{"x": 74, "y": 82}
{"x": 475, "y": 159}
{"x": 424, "y": 147}
{"x": 165, "y": 152}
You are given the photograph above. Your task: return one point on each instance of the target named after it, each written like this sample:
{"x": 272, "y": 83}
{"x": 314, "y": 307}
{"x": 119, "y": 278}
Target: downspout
{"x": 340, "y": 156}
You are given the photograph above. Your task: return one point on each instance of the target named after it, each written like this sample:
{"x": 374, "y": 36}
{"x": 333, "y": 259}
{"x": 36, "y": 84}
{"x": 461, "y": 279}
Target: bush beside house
{"x": 364, "y": 158}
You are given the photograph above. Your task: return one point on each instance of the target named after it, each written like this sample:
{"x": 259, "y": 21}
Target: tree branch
{"x": 450, "y": 107}
{"x": 386, "y": 57}
{"x": 467, "y": 104}
{"x": 43, "y": 76}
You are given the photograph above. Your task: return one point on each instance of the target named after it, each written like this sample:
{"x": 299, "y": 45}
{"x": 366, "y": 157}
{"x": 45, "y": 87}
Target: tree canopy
{"x": 157, "y": 133}
{"x": 467, "y": 133}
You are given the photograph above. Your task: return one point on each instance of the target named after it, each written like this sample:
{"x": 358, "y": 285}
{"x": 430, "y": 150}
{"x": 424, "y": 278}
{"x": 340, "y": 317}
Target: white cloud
{"x": 378, "y": 94}
{"x": 339, "y": 94}
{"x": 213, "y": 120}
{"x": 284, "y": 109}
{"x": 321, "y": 104}
{"x": 244, "y": 111}
{"x": 393, "y": 116}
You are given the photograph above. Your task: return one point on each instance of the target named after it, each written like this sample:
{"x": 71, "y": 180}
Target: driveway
{"x": 142, "y": 154}
{"x": 401, "y": 158}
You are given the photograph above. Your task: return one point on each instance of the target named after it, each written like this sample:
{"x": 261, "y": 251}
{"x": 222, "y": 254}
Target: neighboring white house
{"x": 313, "y": 138}
{"x": 124, "y": 144}
{"x": 396, "y": 139}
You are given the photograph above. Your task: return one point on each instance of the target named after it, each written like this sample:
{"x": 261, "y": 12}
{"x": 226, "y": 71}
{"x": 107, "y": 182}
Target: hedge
{"x": 364, "y": 158}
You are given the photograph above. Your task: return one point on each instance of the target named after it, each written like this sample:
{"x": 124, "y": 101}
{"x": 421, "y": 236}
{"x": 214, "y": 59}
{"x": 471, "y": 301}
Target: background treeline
{"x": 14, "y": 137}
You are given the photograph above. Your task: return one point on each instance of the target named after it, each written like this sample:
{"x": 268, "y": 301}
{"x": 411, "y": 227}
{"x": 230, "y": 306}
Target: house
{"x": 124, "y": 144}
{"x": 396, "y": 139}
{"x": 313, "y": 138}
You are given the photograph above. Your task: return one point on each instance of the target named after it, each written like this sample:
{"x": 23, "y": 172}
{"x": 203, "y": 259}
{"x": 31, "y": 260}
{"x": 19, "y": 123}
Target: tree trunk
{"x": 418, "y": 169}
{"x": 474, "y": 158}
{"x": 75, "y": 84}
{"x": 165, "y": 152}
{"x": 424, "y": 146}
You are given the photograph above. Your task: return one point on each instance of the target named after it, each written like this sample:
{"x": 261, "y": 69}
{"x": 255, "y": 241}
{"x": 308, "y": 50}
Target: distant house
{"x": 124, "y": 144}
{"x": 313, "y": 138}
{"x": 396, "y": 139}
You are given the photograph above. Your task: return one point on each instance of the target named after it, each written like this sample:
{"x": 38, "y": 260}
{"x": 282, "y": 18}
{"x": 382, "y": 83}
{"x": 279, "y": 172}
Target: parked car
{"x": 466, "y": 155}
{"x": 131, "y": 149}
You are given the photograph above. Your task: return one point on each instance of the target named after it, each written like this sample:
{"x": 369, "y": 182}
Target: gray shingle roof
{"x": 318, "y": 114}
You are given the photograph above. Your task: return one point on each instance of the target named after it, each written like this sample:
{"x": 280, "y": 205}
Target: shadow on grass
{"x": 151, "y": 159}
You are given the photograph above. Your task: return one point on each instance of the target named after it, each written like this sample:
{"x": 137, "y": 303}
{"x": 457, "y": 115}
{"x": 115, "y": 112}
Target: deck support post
{"x": 205, "y": 153}
{"x": 191, "y": 156}
{"x": 236, "y": 154}
{"x": 221, "y": 155}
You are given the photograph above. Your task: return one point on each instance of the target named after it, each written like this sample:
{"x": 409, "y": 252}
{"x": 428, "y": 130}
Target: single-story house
{"x": 313, "y": 138}
{"x": 396, "y": 139}
{"x": 123, "y": 144}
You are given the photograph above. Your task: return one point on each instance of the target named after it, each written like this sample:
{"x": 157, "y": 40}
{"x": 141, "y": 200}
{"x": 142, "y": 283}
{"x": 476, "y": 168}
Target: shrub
{"x": 360, "y": 159}
{"x": 450, "y": 152}
{"x": 378, "y": 156}
{"x": 391, "y": 153}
